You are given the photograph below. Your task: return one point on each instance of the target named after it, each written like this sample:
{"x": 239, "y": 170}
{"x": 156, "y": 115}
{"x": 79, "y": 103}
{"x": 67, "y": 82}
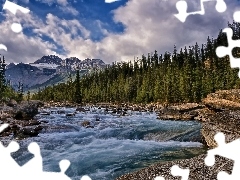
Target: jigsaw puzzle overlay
{"x": 35, "y": 164}
{"x": 177, "y": 171}
{"x": 230, "y": 150}
{"x": 111, "y": 1}
{"x": 13, "y": 8}
{"x": 33, "y": 169}
{"x": 220, "y": 7}
{"x": 182, "y": 8}
{"x": 223, "y": 51}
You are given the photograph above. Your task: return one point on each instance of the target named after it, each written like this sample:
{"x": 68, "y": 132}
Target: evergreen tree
{"x": 78, "y": 96}
{"x": 20, "y": 92}
{"x": 2, "y": 78}
{"x": 185, "y": 76}
{"x": 28, "y": 96}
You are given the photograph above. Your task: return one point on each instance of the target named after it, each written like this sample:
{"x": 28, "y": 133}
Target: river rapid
{"x": 115, "y": 144}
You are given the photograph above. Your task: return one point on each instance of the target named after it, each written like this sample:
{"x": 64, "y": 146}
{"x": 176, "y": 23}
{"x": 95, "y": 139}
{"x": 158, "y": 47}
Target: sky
{"x": 116, "y": 31}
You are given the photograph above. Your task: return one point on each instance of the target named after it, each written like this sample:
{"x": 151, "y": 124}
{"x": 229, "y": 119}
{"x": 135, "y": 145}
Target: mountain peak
{"x": 49, "y": 59}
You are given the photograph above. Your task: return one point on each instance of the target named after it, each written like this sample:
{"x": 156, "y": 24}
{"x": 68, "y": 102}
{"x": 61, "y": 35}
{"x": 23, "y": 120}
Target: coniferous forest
{"x": 187, "y": 75}
{"x": 6, "y": 91}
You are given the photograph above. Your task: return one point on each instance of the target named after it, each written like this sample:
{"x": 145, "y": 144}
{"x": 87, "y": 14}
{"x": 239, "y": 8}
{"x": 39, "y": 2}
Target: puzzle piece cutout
{"x": 2, "y": 127}
{"x": 228, "y": 150}
{"x": 2, "y": 46}
{"x": 34, "y": 165}
{"x": 5, "y": 156}
{"x": 176, "y": 171}
{"x": 182, "y": 9}
{"x": 16, "y": 27}
{"x": 12, "y": 7}
{"x": 222, "y": 51}
{"x": 111, "y": 1}
{"x": 33, "y": 169}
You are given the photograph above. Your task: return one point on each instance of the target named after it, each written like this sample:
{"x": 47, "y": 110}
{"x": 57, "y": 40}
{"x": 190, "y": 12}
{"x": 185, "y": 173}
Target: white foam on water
{"x": 112, "y": 147}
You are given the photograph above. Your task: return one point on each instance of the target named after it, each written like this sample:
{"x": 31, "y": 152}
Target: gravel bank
{"x": 198, "y": 169}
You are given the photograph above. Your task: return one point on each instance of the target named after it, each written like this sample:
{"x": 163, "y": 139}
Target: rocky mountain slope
{"x": 48, "y": 70}
{"x": 51, "y": 59}
{"x": 26, "y": 74}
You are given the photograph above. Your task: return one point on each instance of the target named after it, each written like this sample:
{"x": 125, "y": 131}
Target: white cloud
{"x": 149, "y": 25}
{"x": 22, "y": 48}
{"x": 62, "y": 2}
{"x": 69, "y": 10}
{"x": 50, "y": 2}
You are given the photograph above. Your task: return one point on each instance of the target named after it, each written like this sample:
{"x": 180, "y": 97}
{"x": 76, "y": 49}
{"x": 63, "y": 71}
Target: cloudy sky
{"x": 115, "y": 31}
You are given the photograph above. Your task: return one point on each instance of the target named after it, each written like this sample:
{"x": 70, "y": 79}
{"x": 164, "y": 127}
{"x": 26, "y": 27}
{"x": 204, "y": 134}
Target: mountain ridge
{"x": 37, "y": 74}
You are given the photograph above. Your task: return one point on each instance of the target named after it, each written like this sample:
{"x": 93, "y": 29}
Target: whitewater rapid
{"x": 114, "y": 146}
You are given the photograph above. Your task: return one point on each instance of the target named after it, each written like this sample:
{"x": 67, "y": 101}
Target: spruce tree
{"x": 20, "y": 92}
{"x": 2, "y": 77}
{"x": 28, "y": 96}
{"x": 78, "y": 96}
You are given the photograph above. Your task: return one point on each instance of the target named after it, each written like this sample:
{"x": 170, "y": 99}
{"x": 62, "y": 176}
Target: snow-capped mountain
{"x": 72, "y": 63}
{"x": 48, "y": 67}
{"x": 50, "y": 59}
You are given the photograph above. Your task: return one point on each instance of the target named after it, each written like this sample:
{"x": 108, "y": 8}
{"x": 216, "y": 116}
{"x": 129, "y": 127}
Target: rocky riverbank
{"x": 198, "y": 169}
{"x": 20, "y": 118}
{"x": 114, "y": 107}
{"x": 214, "y": 112}
{"x": 218, "y": 112}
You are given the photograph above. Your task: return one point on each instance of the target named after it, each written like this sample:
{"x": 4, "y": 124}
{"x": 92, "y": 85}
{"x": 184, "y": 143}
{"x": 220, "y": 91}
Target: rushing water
{"x": 115, "y": 146}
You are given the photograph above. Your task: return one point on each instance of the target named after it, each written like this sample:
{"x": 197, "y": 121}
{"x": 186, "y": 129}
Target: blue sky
{"x": 115, "y": 31}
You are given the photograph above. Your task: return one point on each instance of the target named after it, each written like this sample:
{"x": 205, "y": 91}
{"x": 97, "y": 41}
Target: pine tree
{"x": 28, "y": 96}
{"x": 20, "y": 92}
{"x": 78, "y": 96}
{"x": 185, "y": 76}
{"x": 2, "y": 78}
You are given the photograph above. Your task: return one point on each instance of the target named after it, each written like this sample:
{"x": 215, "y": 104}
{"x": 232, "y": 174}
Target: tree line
{"x": 187, "y": 75}
{"x": 6, "y": 91}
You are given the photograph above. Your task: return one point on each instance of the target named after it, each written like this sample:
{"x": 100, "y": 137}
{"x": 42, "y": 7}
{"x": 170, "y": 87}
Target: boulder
{"x": 61, "y": 112}
{"x": 11, "y": 103}
{"x": 85, "y": 123}
{"x": 29, "y": 131}
{"x": 89, "y": 126}
{"x": 38, "y": 128}
{"x": 80, "y": 109}
{"x": 44, "y": 121}
{"x": 26, "y": 110}
{"x": 223, "y": 100}
{"x": 187, "y": 111}
{"x": 33, "y": 123}
{"x": 70, "y": 114}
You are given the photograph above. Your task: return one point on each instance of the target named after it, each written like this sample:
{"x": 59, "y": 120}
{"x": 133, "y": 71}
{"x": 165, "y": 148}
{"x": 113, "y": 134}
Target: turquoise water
{"x": 115, "y": 146}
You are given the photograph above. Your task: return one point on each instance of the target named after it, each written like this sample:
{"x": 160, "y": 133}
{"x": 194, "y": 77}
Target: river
{"x": 115, "y": 146}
